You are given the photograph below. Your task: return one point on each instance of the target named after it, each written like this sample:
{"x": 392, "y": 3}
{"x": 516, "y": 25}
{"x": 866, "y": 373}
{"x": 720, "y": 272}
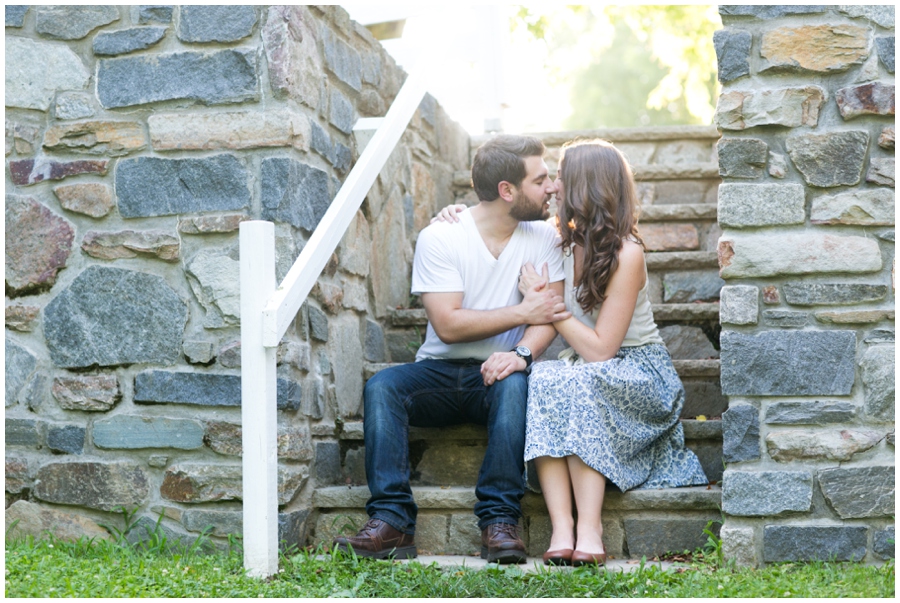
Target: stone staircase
{"x": 677, "y": 173}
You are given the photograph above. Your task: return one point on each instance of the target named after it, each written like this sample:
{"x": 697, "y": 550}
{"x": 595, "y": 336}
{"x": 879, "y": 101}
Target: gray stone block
{"x": 858, "y": 207}
{"x": 341, "y": 113}
{"x": 318, "y": 323}
{"x": 341, "y": 157}
{"x": 690, "y": 286}
{"x": 741, "y": 157}
{"x": 785, "y": 318}
{"x": 74, "y": 105}
{"x": 214, "y": 523}
{"x": 739, "y": 305}
{"x": 20, "y": 364}
{"x": 109, "y": 317}
{"x": 652, "y": 537}
{"x": 223, "y": 76}
{"x": 767, "y": 11}
{"x": 32, "y": 88}
{"x": 882, "y": 14}
{"x": 733, "y": 53}
{"x": 686, "y": 342}
{"x": 883, "y": 543}
{"x": 175, "y": 541}
{"x": 72, "y": 22}
{"x": 153, "y": 186}
{"x": 24, "y": 432}
{"x": 810, "y": 413}
{"x": 752, "y": 205}
{"x": 763, "y": 493}
{"x": 204, "y": 389}
{"x": 319, "y": 141}
{"x": 883, "y": 45}
{"x": 134, "y": 432}
{"x": 374, "y": 342}
{"x": 788, "y": 363}
{"x": 103, "y": 486}
{"x": 294, "y": 192}
{"x": 292, "y": 529}
{"x": 216, "y": 23}
{"x": 859, "y": 492}
{"x": 15, "y": 15}
{"x": 153, "y": 13}
{"x": 740, "y": 433}
{"x": 342, "y": 60}
{"x": 880, "y": 336}
{"x": 199, "y": 352}
{"x": 832, "y": 294}
{"x": 831, "y": 159}
{"x": 328, "y": 464}
{"x": 127, "y": 40}
{"x": 877, "y": 369}
{"x": 807, "y": 543}
{"x": 67, "y": 439}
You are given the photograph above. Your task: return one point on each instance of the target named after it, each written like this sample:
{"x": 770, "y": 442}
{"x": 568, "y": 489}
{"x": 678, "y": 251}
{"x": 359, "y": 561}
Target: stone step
{"x": 353, "y": 430}
{"x": 636, "y": 523}
{"x": 416, "y": 317}
{"x": 684, "y": 368}
{"x": 642, "y": 173}
{"x": 679, "y": 212}
{"x": 453, "y": 455}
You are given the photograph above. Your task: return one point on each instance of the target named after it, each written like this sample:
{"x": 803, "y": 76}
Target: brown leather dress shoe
{"x": 579, "y": 558}
{"x": 378, "y": 540}
{"x": 559, "y": 557}
{"x": 500, "y": 543}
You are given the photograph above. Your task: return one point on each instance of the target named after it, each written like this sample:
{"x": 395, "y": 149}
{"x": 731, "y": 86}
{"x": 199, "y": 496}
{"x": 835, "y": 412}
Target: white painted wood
{"x": 368, "y": 123}
{"x": 258, "y": 402}
{"x": 290, "y": 295}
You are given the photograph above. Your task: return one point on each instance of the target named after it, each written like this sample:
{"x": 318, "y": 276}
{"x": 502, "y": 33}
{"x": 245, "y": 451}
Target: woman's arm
{"x": 604, "y": 340}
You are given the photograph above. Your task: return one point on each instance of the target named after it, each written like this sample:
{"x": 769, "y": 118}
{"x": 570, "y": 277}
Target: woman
{"x": 609, "y": 408}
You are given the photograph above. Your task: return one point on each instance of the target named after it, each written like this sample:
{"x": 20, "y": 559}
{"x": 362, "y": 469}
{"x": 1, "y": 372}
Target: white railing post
{"x": 259, "y": 421}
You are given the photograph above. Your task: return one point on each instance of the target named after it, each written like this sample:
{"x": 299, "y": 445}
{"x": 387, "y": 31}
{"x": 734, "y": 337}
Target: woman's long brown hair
{"x": 599, "y": 210}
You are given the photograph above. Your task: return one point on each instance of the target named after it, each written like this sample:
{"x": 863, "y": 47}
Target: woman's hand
{"x": 449, "y": 213}
{"x": 529, "y": 277}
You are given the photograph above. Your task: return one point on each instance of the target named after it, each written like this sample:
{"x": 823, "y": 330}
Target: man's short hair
{"x": 502, "y": 158}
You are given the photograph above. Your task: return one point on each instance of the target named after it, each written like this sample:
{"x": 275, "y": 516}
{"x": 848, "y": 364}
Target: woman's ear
{"x": 506, "y": 191}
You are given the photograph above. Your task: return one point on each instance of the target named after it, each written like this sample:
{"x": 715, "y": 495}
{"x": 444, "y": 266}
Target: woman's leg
{"x": 589, "y": 486}
{"x": 553, "y": 473}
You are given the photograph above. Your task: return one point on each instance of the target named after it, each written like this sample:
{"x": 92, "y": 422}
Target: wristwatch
{"x": 524, "y": 353}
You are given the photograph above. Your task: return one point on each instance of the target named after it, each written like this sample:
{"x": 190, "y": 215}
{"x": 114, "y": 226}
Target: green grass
{"x": 53, "y": 568}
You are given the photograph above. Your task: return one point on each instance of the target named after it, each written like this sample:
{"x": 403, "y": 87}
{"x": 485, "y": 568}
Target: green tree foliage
{"x": 627, "y": 66}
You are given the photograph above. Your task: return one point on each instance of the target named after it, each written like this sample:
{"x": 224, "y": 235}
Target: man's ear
{"x": 507, "y": 191}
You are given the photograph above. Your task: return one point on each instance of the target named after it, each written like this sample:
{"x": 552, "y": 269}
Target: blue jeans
{"x": 439, "y": 393}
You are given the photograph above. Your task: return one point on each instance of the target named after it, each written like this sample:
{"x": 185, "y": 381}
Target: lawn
{"x": 61, "y": 569}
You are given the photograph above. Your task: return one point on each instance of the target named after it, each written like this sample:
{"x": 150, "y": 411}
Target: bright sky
{"x": 461, "y": 79}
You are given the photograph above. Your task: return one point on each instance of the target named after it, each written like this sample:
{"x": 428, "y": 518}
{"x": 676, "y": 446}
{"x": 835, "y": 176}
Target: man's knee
{"x": 514, "y": 387}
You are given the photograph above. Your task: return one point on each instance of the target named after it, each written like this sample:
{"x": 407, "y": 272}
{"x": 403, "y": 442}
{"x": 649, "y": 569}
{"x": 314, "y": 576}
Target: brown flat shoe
{"x": 579, "y": 558}
{"x": 559, "y": 557}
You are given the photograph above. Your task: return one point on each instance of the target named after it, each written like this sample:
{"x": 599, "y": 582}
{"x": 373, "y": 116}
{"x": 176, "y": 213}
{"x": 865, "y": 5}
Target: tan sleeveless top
{"x": 642, "y": 329}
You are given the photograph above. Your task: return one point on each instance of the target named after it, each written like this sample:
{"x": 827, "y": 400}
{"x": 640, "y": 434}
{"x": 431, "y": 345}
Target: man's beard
{"x": 524, "y": 211}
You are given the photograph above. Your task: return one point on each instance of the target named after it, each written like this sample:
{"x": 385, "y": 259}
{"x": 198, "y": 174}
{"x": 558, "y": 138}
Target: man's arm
{"x": 455, "y": 324}
{"x": 536, "y": 337}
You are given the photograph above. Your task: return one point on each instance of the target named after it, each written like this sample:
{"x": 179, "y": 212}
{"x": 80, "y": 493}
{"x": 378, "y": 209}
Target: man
{"x": 472, "y": 366}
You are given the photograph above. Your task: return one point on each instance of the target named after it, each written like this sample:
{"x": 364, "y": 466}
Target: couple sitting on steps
{"x": 498, "y": 282}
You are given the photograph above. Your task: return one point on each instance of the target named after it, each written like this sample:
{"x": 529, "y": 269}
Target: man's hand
{"x": 501, "y": 365}
{"x": 542, "y": 305}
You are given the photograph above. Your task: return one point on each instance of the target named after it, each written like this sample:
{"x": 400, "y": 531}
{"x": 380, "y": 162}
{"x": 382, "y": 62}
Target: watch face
{"x": 523, "y": 351}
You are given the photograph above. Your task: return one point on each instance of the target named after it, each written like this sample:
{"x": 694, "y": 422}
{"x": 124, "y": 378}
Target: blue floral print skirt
{"x": 620, "y": 416}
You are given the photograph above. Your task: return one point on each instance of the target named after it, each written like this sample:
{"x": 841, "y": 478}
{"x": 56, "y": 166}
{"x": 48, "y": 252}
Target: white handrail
{"x": 266, "y": 313}
{"x": 290, "y": 295}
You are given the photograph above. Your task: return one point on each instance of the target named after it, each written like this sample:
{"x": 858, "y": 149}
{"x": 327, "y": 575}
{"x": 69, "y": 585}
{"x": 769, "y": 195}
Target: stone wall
{"x": 137, "y": 140}
{"x": 807, "y": 251}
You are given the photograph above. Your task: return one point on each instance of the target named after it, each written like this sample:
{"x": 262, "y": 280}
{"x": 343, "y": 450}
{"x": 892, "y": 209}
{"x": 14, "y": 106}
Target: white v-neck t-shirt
{"x": 452, "y": 257}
